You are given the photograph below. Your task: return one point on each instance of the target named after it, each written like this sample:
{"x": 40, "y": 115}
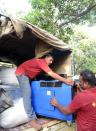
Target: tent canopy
{"x": 20, "y": 41}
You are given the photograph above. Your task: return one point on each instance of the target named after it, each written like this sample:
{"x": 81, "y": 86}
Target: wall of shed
{"x": 63, "y": 65}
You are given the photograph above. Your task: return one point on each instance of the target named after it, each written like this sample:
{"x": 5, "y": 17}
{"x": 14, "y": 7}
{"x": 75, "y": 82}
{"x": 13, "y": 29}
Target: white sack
{"x": 14, "y": 116}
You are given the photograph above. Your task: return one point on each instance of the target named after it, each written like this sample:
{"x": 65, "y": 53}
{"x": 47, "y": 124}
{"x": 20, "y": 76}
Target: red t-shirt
{"x": 84, "y": 104}
{"x": 33, "y": 67}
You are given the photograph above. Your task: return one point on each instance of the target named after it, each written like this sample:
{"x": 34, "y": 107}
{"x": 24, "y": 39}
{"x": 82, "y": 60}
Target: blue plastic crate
{"x": 44, "y": 91}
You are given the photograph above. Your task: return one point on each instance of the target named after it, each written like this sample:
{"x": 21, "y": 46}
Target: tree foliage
{"x": 84, "y": 52}
{"x": 56, "y": 16}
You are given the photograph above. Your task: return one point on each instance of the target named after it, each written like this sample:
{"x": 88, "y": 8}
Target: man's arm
{"x": 47, "y": 69}
{"x": 58, "y": 77}
{"x": 60, "y": 107}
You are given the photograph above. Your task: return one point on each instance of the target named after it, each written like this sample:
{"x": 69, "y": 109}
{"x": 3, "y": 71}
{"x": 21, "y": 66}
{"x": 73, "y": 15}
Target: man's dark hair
{"x": 89, "y": 77}
{"x": 48, "y": 55}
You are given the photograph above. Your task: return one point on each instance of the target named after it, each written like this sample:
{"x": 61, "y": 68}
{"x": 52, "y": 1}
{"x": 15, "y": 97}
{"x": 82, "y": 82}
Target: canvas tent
{"x": 20, "y": 41}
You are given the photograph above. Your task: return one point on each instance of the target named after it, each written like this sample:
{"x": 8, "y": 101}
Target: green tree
{"x": 56, "y": 16}
{"x": 84, "y": 52}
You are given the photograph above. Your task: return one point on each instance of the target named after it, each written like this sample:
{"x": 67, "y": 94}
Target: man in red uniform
{"x": 30, "y": 69}
{"x": 84, "y": 103}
